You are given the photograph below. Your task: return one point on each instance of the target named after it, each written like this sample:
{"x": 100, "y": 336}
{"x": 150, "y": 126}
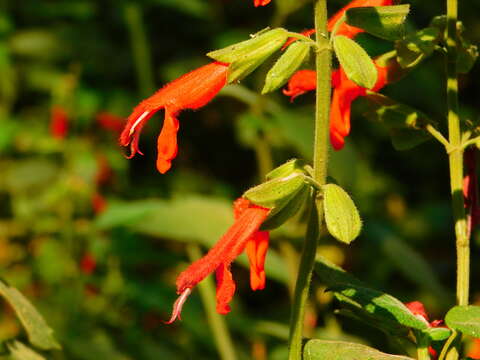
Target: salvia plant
{"x": 329, "y": 61}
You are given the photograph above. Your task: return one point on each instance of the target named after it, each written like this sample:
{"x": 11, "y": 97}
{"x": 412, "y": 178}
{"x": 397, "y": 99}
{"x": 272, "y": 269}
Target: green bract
{"x": 246, "y": 56}
{"x": 386, "y": 22}
{"x": 341, "y": 216}
{"x": 355, "y": 62}
{"x": 416, "y": 47}
{"x": 286, "y": 65}
{"x": 286, "y": 169}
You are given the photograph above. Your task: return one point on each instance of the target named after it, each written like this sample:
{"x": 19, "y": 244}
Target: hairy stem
{"x": 320, "y": 159}
{"x": 217, "y": 323}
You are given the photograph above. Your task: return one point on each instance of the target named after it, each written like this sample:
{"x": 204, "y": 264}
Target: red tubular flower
{"x": 243, "y": 234}
{"x": 345, "y": 91}
{"x": 345, "y": 29}
{"x": 261, "y": 2}
{"x": 58, "y": 122}
{"x": 301, "y": 82}
{"x": 190, "y": 91}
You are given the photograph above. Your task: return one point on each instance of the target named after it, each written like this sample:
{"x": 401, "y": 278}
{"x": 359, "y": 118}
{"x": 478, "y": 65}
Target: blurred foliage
{"x": 95, "y": 241}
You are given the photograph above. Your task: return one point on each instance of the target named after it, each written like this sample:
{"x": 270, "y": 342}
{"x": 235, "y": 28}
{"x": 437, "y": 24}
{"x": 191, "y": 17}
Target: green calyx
{"x": 246, "y": 56}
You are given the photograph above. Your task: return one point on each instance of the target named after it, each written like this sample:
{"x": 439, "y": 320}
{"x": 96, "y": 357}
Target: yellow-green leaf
{"x": 39, "y": 333}
{"x": 286, "y": 65}
{"x": 341, "y": 215}
{"x": 355, "y": 62}
{"x": 19, "y": 351}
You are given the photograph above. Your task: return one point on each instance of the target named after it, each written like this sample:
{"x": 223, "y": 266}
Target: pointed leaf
{"x": 286, "y": 65}
{"x": 355, "y": 62}
{"x": 465, "y": 319}
{"x": 19, "y": 351}
{"x": 341, "y": 215}
{"x": 341, "y": 350}
{"x": 39, "y": 333}
{"x": 380, "y": 309}
{"x": 416, "y": 47}
{"x": 386, "y": 22}
{"x": 286, "y": 169}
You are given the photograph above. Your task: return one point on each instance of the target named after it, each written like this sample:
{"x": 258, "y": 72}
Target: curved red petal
{"x": 225, "y": 288}
{"x": 167, "y": 142}
{"x": 301, "y": 82}
{"x": 256, "y": 249}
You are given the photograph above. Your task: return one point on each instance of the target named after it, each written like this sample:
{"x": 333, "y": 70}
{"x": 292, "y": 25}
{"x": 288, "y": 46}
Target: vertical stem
{"x": 140, "y": 48}
{"x": 422, "y": 346}
{"x": 456, "y": 159}
{"x": 217, "y": 323}
{"x": 456, "y": 171}
{"x": 320, "y": 159}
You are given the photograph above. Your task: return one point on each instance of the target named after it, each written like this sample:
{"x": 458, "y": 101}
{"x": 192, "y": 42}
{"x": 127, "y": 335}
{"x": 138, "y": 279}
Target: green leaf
{"x": 39, "y": 333}
{"x": 386, "y": 22}
{"x": 340, "y": 350}
{"x": 341, "y": 215}
{"x": 467, "y": 55}
{"x": 405, "y": 124}
{"x": 286, "y": 65}
{"x": 19, "y": 351}
{"x": 276, "y": 192}
{"x": 372, "y": 306}
{"x": 465, "y": 319}
{"x": 416, "y": 47}
{"x": 246, "y": 56}
{"x": 355, "y": 62}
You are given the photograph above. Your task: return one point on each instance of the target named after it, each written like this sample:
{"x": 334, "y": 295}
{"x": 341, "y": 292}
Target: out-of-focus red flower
{"x": 191, "y": 91}
{"x": 99, "y": 203}
{"x": 345, "y": 91}
{"x": 351, "y": 31}
{"x": 58, "y": 122}
{"x": 110, "y": 122}
{"x": 88, "y": 264}
{"x": 474, "y": 349}
{"x": 243, "y": 234}
{"x": 261, "y": 2}
{"x": 104, "y": 171}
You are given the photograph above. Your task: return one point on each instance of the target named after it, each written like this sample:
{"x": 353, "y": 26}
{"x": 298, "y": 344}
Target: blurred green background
{"x": 96, "y": 241}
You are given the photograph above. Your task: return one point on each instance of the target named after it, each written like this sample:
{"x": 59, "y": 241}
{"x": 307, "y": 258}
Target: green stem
{"x": 456, "y": 159}
{"x": 217, "y": 323}
{"x": 456, "y": 167}
{"x": 140, "y": 48}
{"x": 422, "y": 347}
{"x": 320, "y": 159}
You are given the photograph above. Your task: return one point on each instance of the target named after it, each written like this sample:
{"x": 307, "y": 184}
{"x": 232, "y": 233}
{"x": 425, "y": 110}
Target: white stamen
{"x": 135, "y": 124}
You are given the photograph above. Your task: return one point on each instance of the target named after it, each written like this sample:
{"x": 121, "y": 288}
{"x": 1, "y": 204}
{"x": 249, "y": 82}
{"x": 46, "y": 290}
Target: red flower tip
{"x": 345, "y": 29}
{"x": 261, "y": 2}
{"x": 301, "y": 82}
{"x": 178, "y": 305}
{"x": 243, "y": 234}
{"x": 58, "y": 122}
{"x": 190, "y": 91}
